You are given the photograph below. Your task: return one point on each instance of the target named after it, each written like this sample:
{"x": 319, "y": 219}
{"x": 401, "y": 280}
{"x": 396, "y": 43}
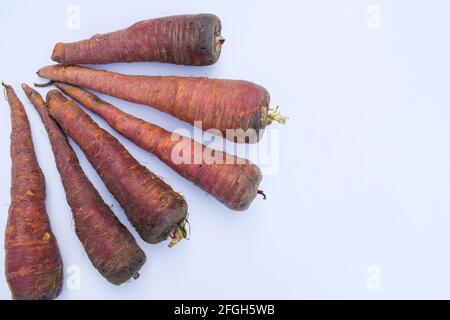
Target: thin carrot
{"x": 231, "y": 180}
{"x": 153, "y": 208}
{"x": 109, "y": 245}
{"x": 34, "y": 268}
{"x": 184, "y": 39}
{"x": 240, "y": 107}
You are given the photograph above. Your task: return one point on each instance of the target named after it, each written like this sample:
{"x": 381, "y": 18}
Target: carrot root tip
{"x": 4, "y": 91}
{"x": 263, "y": 194}
{"x": 136, "y": 275}
{"x": 274, "y": 115}
{"x": 44, "y": 85}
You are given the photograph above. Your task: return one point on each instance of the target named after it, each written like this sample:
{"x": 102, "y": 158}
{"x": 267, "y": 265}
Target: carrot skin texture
{"x": 33, "y": 266}
{"x": 233, "y": 183}
{"x": 218, "y": 104}
{"x": 153, "y": 208}
{"x": 110, "y": 246}
{"x": 184, "y": 39}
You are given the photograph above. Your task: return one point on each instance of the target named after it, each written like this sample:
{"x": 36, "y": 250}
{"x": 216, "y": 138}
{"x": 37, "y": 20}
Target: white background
{"x": 359, "y": 204}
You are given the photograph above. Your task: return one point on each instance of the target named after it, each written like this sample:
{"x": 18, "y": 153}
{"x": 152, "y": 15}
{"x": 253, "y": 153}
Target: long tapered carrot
{"x": 184, "y": 39}
{"x": 231, "y": 180}
{"x": 238, "y": 109}
{"x": 33, "y": 265}
{"x": 153, "y": 208}
{"x": 109, "y": 245}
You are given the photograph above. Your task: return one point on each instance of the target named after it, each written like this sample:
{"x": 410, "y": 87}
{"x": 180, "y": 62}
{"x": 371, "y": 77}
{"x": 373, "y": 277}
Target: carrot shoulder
{"x": 233, "y": 181}
{"x": 109, "y": 245}
{"x": 34, "y": 268}
{"x": 238, "y": 109}
{"x": 154, "y": 209}
{"x": 184, "y": 39}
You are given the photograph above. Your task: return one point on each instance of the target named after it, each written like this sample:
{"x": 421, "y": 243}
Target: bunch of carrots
{"x": 33, "y": 261}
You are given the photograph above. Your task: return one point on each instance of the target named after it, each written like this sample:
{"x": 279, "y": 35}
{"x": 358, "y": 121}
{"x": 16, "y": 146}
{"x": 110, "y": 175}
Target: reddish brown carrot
{"x": 231, "y": 180}
{"x": 185, "y": 39}
{"x": 239, "y": 106}
{"x": 154, "y": 209}
{"x": 34, "y": 268}
{"x": 109, "y": 245}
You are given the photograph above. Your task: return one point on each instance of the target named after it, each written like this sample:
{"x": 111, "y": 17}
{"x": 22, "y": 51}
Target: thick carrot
{"x": 34, "y": 268}
{"x": 154, "y": 209}
{"x": 238, "y": 105}
{"x": 109, "y": 245}
{"x": 185, "y": 39}
{"x": 231, "y": 180}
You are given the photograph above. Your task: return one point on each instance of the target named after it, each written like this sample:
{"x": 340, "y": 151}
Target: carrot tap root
{"x": 33, "y": 264}
{"x": 111, "y": 248}
{"x": 235, "y": 184}
{"x": 151, "y": 205}
{"x": 183, "y": 39}
{"x": 263, "y": 194}
{"x": 44, "y": 85}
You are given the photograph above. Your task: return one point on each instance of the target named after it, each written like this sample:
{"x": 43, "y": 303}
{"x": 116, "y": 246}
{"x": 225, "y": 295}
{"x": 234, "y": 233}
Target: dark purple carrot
{"x": 231, "y": 180}
{"x": 34, "y": 268}
{"x": 238, "y": 109}
{"x": 153, "y": 208}
{"x": 109, "y": 245}
{"x": 185, "y": 39}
